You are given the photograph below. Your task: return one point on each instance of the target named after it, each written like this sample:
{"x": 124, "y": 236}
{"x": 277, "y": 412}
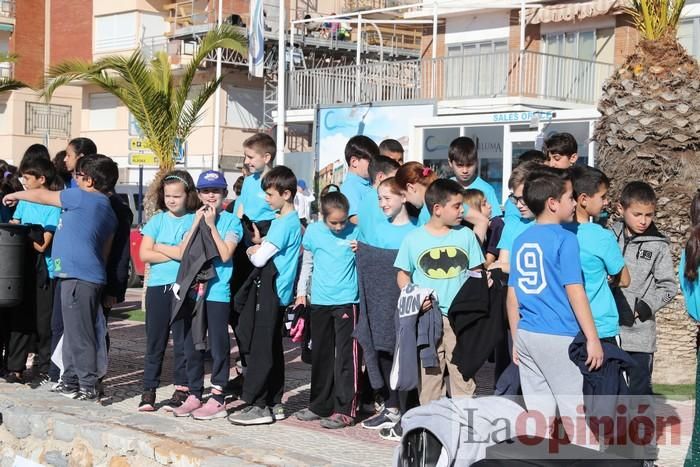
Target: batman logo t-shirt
{"x": 441, "y": 263}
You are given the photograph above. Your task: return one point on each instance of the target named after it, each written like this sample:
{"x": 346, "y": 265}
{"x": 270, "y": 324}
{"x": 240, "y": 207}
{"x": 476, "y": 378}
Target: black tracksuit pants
{"x": 159, "y": 305}
{"x": 263, "y": 385}
{"x": 21, "y": 340}
{"x": 335, "y": 360}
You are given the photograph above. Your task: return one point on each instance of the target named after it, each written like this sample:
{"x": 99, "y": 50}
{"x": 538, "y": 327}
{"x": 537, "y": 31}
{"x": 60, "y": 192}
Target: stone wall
{"x": 62, "y": 440}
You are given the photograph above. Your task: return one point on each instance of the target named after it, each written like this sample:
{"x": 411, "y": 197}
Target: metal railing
{"x": 52, "y": 119}
{"x": 150, "y": 46}
{"x": 7, "y": 70}
{"x": 500, "y": 74}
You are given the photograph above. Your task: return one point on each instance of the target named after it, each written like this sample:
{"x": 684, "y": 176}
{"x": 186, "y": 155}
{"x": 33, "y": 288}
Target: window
{"x": 688, "y": 35}
{"x": 152, "y": 25}
{"x": 103, "y": 111}
{"x": 53, "y": 119}
{"x": 477, "y": 69}
{"x": 115, "y": 32}
{"x": 244, "y": 108}
{"x": 568, "y": 66}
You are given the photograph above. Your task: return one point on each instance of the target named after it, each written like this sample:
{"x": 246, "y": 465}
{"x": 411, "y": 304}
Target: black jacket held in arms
{"x": 477, "y": 319}
{"x": 196, "y": 268}
{"x": 118, "y": 260}
{"x": 608, "y": 380}
{"x": 258, "y": 293}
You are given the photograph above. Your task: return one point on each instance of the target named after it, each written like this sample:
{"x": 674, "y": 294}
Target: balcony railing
{"x": 7, "y": 70}
{"x": 500, "y": 74}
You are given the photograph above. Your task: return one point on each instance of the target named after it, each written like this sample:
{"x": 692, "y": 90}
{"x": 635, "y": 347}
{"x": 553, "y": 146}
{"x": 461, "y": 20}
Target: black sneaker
{"x": 71, "y": 392}
{"x": 385, "y": 419}
{"x": 12, "y": 378}
{"x": 89, "y": 395}
{"x": 392, "y": 434}
{"x": 39, "y": 379}
{"x": 176, "y": 400}
{"x": 148, "y": 401}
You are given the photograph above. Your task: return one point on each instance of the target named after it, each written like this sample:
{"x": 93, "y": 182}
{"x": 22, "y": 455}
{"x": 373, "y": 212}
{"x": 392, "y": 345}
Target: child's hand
{"x": 109, "y": 301}
{"x": 256, "y": 238}
{"x": 210, "y": 216}
{"x": 514, "y": 357}
{"x": 427, "y": 304}
{"x": 595, "y": 354}
{"x": 9, "y": 200}
{"x": 301, "y": 300}
{"x": 252, "y": 250}
{"x": 199, "y": 215}
{"x": 353, "y": 245}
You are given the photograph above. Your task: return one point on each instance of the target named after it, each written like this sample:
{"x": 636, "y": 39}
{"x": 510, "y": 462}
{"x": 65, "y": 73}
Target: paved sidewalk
{"x": 289, "y": 442}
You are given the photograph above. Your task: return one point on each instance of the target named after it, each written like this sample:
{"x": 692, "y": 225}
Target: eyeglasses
{"x": 516, "y": 199}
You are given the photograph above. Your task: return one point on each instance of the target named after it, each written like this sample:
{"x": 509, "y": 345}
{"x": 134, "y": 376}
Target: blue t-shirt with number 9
{"x": 543, "y": 261}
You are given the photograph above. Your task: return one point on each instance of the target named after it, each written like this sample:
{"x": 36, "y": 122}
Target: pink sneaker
{"x": 190, "y": 405}
{"x": 209, "y": 411}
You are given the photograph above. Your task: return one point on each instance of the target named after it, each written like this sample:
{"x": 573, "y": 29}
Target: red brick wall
{"x": 626, "y": 38}
{"x": 71, "y": 30}
{"x": 27, "y": 41}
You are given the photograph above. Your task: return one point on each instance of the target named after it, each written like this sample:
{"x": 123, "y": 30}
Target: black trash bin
{"x": 13, "y": 248}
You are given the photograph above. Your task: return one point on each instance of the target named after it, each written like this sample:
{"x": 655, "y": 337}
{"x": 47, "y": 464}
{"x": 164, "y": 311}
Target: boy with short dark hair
{"x": 359, "y": 152}
{"x": 264, "y": 382}
{"x": 370, "y": 216}
{"x": 37, "y": 173}
{"x": 547, "y": 304}
{"x": 443, "y": 233}
{"x": 600, "y": 255}
{"x": 561, "y": 150}
{"x": 89, "y": 221}
{"x": 391, "y": 149}
{"x": 653, "y": 284}
{"x": 464, "y": 162}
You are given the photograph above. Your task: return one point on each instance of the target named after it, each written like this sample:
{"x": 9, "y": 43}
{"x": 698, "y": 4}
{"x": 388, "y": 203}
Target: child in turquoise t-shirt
{"x": 329, "y": 261}
{"x": 160, "y": 248}
{"x": 600, "y": 254}
{"x": 439, "y": 256}
{"x": 38, "y": 173}
{"x": 264, "y": 382}
{"x": 226, "y": 232}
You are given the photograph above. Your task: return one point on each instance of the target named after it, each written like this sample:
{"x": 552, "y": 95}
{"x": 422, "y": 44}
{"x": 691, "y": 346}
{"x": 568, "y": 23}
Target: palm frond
{"x": 148, "y": 89}
{"x": 655, "y": 19}
{"x": 9, "y": 84}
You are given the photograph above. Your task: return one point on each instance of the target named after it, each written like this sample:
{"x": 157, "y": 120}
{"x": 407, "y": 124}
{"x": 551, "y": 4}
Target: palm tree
{"x": 166, "y": 108}
{"x": 650, "y": 131}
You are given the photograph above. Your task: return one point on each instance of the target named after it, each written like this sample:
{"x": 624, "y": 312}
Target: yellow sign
{"x": 139, "y": 144}
{"x": 143, "y": 159}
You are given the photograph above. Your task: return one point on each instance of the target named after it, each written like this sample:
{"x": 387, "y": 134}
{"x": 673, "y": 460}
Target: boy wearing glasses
{"x": 514, "y": 226}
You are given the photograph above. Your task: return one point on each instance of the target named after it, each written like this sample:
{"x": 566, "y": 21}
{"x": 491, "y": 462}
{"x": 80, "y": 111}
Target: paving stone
{"x": 56, "y": 458}
{"x": 121, "y": 440}
{"x": 39, "y": 425}
{"x": 222, "y": 461}
{"x": 94, "y": 435}
{"x": 64, "y": 429}
{"x": 144, "y": 447}
{"x": 16, "y": 422}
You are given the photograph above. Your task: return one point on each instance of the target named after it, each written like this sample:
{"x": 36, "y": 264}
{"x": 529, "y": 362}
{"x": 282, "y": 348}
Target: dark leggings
{"x": 158, "y": 305}
{"x": 402, "y": 400}
{"x": 218, "y": 339}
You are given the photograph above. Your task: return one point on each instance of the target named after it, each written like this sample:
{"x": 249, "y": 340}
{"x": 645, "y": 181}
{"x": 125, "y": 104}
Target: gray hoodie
{"x": 648, "y": 259}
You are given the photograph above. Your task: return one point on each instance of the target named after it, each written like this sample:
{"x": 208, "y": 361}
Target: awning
{"x": 575, "y": 11}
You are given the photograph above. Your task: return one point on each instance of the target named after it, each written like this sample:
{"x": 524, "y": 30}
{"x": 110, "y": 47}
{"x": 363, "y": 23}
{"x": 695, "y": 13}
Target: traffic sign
{"x": 136, "y": 158}
{"x": 139, "y": 144}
